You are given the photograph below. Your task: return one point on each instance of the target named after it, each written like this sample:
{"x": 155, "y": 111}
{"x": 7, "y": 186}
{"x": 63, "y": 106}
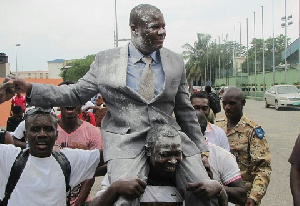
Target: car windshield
{"x": 287, "y": 89}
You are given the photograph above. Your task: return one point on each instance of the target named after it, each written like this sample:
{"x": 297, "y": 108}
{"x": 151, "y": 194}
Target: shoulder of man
{"x": 256, "y": 130}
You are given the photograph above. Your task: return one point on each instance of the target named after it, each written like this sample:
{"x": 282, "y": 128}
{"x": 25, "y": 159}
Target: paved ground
{"x": 282, "y": 129}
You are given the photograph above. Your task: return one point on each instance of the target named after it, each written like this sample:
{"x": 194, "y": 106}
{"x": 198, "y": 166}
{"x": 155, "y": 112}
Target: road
{"x": 282, "y": 129}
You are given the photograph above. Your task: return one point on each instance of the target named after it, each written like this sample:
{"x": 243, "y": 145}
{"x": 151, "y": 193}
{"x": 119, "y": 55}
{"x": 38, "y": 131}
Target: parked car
{"x": 282, "y": 96}
{"x": 223, "y": 89}
{"x": 202, "y": 88}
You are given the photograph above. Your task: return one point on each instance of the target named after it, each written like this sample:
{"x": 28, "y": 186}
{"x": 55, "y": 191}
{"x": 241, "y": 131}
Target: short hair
{"x": 66, "y": 83}
{"x": 234, "y": 91}
{"x": 40, "y": 110}
{"x": 160, "y": 129}
{"x": 200, "y": 94}
{"x": 16, "y": 109}
{"x": 138, "y": 13}
{"x": 208, "y": 89}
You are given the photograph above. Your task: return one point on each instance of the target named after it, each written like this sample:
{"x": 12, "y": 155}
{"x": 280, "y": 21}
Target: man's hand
{"x": 207, "y": 166}
{"x": 250, "y": 202}
{"x": 130, "y": 189}
{"x": 205, "y": 189}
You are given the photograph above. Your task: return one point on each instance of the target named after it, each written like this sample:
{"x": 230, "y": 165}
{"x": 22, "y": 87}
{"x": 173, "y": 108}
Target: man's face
{"x": 41, "y": 134}
{"x": 233, "y": 106}
{"x": 149, "y": 35}
{"x": 18, "y": 116}
{"x": 166, "y": 155}
{"x": 70, "y": 112}
{"x": 201, "y": 104}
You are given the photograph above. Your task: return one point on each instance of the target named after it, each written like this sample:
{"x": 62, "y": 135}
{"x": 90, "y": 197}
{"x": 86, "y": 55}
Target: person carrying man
{"x": 248, "y": 144}
{"x": 141, "y": 82}
{"x": 164, "y": 154}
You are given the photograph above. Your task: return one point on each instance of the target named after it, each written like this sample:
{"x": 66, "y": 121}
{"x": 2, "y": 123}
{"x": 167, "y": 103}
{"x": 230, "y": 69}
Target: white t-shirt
{"x": 152, "y": 193}
{"x": 19, "y": 132}
{"x": 223, "y": 164}
{"x": 42, "y": 181}
{"x": 88, "y": 104}
{"x": 217, "y": 136}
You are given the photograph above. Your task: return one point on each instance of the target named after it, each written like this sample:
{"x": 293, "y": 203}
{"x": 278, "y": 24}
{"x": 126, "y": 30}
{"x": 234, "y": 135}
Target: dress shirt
{"x": 136, "y": 66}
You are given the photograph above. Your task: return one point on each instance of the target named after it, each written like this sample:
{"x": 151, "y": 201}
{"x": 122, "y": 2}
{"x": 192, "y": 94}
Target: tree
{"x": 279, "y": 47}
{"x": 78, "y": 69}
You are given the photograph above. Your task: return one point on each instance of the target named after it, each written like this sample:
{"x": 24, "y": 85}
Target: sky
{"x": 68, "y": 29}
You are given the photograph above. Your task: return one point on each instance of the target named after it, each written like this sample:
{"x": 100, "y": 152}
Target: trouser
{"x": 190, "y": 169}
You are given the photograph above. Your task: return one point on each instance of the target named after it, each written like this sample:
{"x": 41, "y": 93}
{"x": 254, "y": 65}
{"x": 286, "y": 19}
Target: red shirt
{"x": 19, "y": 101}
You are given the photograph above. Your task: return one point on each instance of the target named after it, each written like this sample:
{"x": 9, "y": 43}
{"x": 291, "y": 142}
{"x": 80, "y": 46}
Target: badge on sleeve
{"x": 259, "y": 132}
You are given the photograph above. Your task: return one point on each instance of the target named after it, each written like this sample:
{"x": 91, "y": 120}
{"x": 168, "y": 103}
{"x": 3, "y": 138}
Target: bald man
{"x": 248, "y": 144}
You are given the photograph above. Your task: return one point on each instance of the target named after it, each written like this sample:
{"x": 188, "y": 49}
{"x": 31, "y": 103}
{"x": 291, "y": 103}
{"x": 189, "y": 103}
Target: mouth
{"x": 170, "y": 168}
{"x": 41, "y": 144}
{"x": 70, "y": 109}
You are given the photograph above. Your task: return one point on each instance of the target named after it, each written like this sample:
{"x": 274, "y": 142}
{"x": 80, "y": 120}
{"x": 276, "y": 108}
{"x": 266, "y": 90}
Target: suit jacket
{"x": 129, "y": 116}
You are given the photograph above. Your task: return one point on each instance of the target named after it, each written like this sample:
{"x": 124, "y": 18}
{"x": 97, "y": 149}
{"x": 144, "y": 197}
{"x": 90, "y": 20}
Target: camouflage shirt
{"x": 251, "y": 149}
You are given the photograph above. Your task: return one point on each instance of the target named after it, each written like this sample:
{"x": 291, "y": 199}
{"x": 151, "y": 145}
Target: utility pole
{"x": 262, "y": 34}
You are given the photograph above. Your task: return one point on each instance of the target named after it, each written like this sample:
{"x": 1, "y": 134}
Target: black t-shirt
{"x": 12, "y": 124}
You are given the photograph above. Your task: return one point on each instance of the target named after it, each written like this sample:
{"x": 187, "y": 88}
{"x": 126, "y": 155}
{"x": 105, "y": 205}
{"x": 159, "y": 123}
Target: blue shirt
{"x": 135, "y": 69}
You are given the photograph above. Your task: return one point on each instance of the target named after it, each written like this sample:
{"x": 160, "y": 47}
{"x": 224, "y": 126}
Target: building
{"x": 55, "y": 66}
{"x": 4, "y": 65}
{"x": 33, "y": 74}
{"x": 292, "y": 53}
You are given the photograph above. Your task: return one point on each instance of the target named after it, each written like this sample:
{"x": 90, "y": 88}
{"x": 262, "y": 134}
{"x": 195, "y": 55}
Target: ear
{"x": 133, "y": 28}
{"x": 244, "y": 102}
{"x": 148, "y": 151}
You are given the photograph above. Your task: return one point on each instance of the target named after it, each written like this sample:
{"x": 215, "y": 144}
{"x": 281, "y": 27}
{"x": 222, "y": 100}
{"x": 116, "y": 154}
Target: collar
{"x": 136, "y": 55}
{"x": 208, "y": 127}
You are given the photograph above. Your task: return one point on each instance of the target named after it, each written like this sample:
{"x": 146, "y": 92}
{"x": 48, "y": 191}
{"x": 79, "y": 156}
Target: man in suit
{"x": 117, "y": 75}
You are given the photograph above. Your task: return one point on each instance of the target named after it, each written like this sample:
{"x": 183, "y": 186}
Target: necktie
{"x": 146, "y": 87}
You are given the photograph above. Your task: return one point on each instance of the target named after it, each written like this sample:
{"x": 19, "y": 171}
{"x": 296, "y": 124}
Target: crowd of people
{"x": 158, "y": 144}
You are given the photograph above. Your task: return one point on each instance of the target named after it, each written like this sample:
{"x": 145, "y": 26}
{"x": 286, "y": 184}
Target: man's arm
{"x": 186, "y": 115}
{"x": 19, "y": 143}
{"x": 261, "y": 164}
{"x": 130, "y": 189}
{"x": 8, "y": 138}
{"x": 236, "y": 192}
{"x": 46, "y": 95}
{"x": 295, "y": 183}
{"x": 85, "y": 190}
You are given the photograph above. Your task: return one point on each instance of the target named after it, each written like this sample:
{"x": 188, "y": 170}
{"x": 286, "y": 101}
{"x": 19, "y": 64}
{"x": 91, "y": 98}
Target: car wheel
{"x": 277, "y": 105}
{"x": 266, "y": 105}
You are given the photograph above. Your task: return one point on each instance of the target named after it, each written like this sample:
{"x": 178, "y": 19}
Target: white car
{"x": 282, "y": 96}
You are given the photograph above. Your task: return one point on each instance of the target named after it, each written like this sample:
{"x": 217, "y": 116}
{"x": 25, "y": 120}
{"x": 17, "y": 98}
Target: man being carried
{"x": 42, "y": 181}
{"x": 248, "y": 144}
{"x": 164, "y": 154}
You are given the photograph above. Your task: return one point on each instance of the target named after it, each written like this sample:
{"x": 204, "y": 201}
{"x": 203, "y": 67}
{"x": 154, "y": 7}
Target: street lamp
{"x": 285, "y": 25}
{"x": 17, "y": 45}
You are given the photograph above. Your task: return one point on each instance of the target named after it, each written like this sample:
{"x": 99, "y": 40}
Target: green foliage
{"x": 279, "y": 45}
{"x": 78, "y": 68}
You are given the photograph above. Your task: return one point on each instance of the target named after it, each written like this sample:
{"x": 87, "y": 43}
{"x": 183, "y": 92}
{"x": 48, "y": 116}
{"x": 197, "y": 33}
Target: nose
{"x": 173, "y": 160}
{"x": 162, "y": 31}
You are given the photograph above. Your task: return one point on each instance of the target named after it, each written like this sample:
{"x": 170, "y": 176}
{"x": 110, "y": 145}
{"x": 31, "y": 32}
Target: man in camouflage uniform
{"x": 248, "y": 144}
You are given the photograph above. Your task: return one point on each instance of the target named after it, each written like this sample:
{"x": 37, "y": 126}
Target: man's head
{"x": 202, "y": 120}
{"x": 208, "y": 89}
{"x": 164, "y": 149}
{"x": 233, "y": 102}
{"x": 41, "y": 131}
{"x": 200, "y": 102}
{"x": 17, "y": 113}
{"x": 69, "y": 112}
{"x": 18, "y": 94}
{"x": 147, "y": 26}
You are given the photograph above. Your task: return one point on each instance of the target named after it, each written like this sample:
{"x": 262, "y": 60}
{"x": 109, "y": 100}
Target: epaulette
{"x": 260, "y": 133}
